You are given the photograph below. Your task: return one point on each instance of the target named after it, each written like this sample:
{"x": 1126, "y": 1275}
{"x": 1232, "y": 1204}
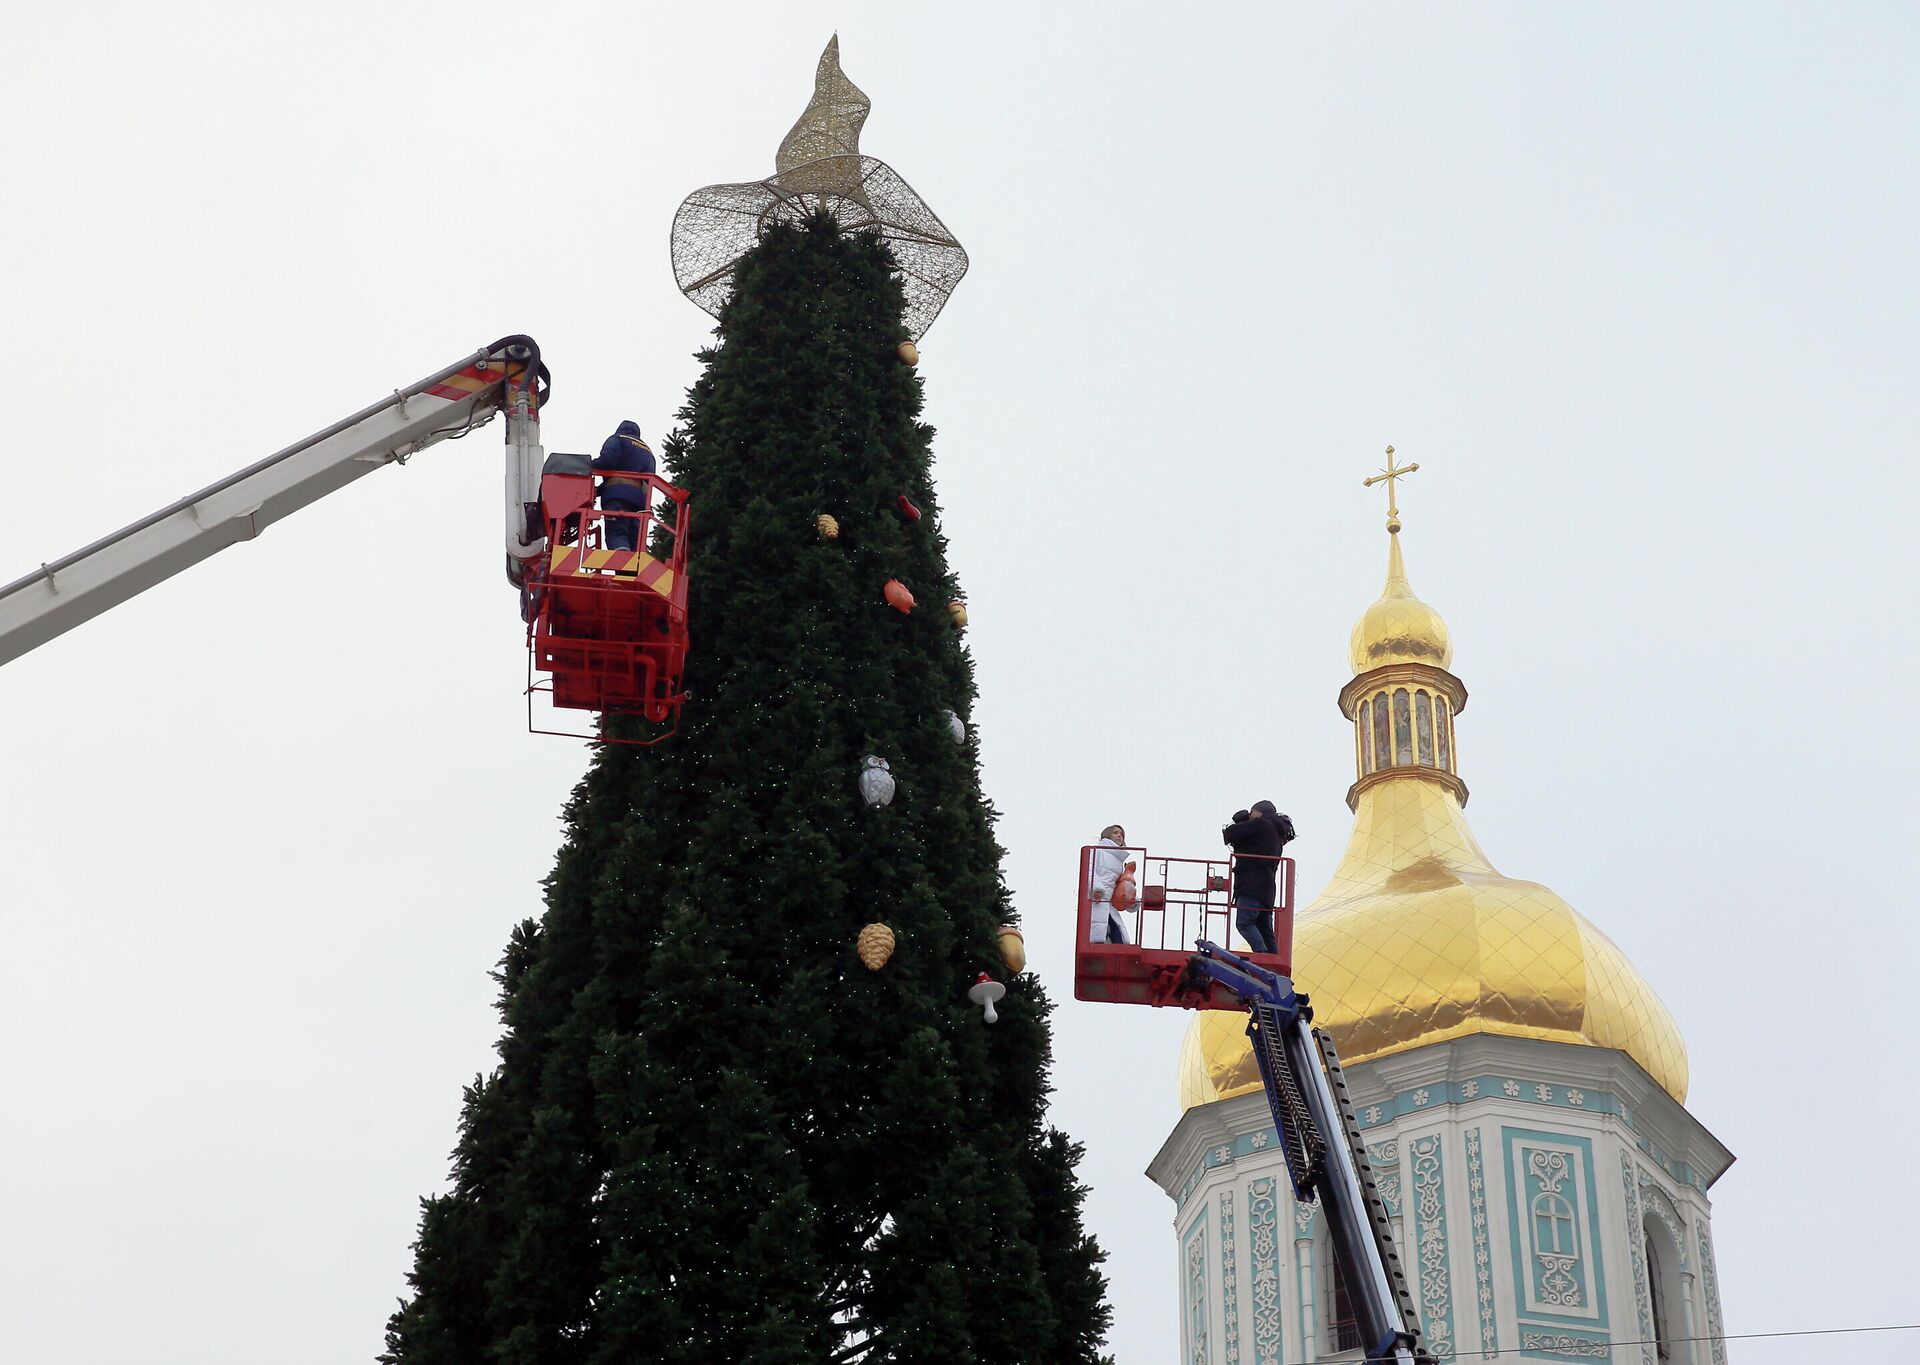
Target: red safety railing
{"x": 609, "y": 625}
{"x": 578, "y": 529}
{"x": 1179, "y": 901}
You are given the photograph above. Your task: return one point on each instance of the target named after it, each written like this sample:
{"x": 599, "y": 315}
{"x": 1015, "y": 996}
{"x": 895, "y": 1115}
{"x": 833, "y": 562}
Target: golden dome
{"x": 1418, "y": 938}
{"x": 1399, "y": 628}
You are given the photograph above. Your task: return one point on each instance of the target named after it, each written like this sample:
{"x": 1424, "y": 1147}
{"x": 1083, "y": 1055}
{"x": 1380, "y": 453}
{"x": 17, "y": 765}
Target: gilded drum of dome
{"x": 1418, "y": 939}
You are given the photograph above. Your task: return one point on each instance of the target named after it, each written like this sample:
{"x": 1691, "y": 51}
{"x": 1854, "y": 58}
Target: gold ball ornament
{"x": 875, "y": 946}
{"x": 829, "y": 528}
{"x": 908, "y": 352}
{"x": 957, "y": 609}
{"x": 1013, "y": 949}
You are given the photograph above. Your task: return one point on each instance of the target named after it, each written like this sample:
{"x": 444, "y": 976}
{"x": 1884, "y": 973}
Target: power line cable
{"x": 1675, "y": 1341}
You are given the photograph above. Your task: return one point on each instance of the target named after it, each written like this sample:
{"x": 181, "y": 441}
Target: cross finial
{"x": 1387, "y": 476}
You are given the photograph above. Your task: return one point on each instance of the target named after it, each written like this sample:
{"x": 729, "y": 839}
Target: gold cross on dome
{"x": 1387, "y": 476}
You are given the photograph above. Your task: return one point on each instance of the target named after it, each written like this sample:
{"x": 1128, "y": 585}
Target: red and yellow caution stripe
{"x": 645, "y": 570}
{"x": 472, "y": 380}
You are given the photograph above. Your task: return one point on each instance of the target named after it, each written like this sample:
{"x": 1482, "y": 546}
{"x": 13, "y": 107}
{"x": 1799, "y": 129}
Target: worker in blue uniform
{"x": 623, "y": 456}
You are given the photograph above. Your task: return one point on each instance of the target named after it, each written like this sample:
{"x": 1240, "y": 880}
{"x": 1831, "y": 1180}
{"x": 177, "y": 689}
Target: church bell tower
{"x": 1520, "y": 1088}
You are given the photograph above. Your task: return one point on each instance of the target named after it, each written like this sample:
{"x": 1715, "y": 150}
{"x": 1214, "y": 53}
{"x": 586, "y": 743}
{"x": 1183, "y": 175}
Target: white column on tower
{"x": 1303, "y": 1257}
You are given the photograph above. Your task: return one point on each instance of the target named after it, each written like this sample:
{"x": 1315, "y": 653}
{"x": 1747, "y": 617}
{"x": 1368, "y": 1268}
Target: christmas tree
{"x": 715, "y": 1133}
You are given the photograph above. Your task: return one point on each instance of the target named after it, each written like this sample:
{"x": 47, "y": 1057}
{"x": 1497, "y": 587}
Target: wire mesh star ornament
{"x": 819, "y": 168}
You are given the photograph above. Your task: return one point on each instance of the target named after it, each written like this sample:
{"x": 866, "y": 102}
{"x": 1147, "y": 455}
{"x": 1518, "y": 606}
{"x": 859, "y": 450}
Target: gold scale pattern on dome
{"x": 819, "y": 168}
{"x": 1418, "y": 938}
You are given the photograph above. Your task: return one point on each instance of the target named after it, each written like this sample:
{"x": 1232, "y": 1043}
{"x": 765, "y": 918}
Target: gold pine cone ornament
{"x": 875, "y": 946}
{"x": 1013, "y": 949}
{"x": 827, "y": 525}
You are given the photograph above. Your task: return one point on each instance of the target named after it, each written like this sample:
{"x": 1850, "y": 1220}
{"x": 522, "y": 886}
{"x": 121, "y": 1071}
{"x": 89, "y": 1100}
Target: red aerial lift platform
{"x": 609, "y": 625}
{"x": 1181, "y": 900}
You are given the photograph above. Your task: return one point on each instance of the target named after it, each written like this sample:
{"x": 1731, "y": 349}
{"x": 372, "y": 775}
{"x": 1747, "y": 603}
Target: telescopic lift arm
{"x": 506, "y": 376}
{"x": 1325, "y": 1157}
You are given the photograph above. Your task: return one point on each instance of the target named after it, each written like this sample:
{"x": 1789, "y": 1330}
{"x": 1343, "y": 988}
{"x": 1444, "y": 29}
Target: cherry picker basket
{"x": 1180, "y": 901}
{"x": 609, "y": 625}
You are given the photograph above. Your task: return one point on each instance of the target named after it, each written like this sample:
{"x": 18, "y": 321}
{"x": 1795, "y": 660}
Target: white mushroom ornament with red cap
{"x": 984, "y": 992}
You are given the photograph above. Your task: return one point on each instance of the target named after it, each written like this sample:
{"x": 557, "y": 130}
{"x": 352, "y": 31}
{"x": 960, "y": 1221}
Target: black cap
{"x": 1265, "y": 807}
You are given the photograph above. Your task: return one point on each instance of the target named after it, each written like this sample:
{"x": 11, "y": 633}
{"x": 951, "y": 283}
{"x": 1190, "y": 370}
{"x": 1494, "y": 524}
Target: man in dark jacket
{"x": 1258, "y": 837}
{"x": 624, "y": 455}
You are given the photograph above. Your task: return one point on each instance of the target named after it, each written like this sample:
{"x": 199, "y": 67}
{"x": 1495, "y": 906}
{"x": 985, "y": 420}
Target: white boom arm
{"x": 59, "y": 596}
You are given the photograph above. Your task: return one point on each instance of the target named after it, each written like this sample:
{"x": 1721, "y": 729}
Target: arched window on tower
{"x": 1554, "y": 1233}
{"x": 1382, "y": 753}
{"x": 1666, "y": 1265}
{"x": 1366, "y": 738}
{"x": 1341, "y": 1329}
{"x": 1662, "y": 1337}
{"x": 1442, "y": 723}
{"x": 1423, "y": 725}
{"x": 1402, "y": 729}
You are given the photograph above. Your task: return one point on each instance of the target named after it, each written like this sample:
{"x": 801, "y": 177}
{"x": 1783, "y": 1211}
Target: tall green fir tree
{"x": 714, "y": 1134}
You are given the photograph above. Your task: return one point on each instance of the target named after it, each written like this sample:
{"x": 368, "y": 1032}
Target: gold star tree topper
{"x": 819, "y": 168}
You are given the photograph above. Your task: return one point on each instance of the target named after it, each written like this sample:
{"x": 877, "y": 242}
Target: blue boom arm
{"x": 1325, "y": 1158}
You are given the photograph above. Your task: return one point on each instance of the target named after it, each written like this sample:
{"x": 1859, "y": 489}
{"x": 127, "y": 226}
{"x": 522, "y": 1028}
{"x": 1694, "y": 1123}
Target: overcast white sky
{"x": 1636, "y": 286}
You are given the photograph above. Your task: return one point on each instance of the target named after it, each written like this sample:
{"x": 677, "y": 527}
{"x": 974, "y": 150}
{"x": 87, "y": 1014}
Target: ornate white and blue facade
{"x": 1519, "y": 1087}
{"x": 1549, "y": 1201}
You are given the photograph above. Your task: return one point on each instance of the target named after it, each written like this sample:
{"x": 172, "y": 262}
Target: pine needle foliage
{"x": 713, "y": 1135}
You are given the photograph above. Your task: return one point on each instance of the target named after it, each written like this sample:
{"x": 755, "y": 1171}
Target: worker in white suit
{"x": 1109, "y": 860}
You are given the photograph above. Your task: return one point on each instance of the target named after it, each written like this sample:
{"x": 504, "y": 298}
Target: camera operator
{"x": 1258, "y": 837}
